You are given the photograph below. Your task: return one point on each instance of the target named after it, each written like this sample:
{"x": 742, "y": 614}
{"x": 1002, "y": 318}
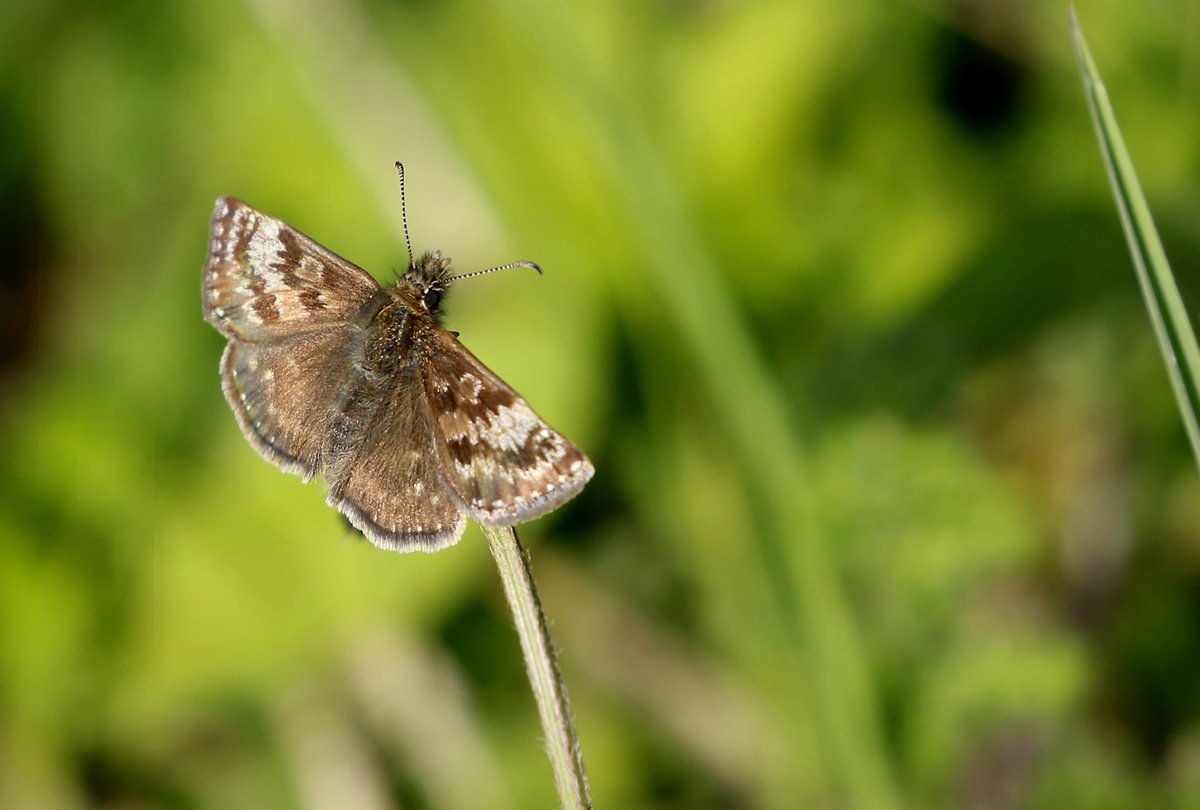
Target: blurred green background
{"x": 893, "y": 504}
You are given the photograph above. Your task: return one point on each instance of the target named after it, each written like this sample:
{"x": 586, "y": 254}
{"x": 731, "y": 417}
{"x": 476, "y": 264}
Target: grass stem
{"x": 562, "y": 744}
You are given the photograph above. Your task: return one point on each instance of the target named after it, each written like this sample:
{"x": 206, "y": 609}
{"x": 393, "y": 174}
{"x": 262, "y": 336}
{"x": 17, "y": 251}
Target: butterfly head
{"x": 430, "y": 275}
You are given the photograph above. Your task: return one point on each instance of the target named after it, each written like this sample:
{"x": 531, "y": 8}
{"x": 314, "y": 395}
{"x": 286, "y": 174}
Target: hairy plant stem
{"x": 562, "y": 744}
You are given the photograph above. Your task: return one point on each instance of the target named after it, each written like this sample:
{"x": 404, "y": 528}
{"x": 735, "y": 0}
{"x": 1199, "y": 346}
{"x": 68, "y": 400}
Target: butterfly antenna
{"x": 494, "y": 269}
{"x": 404, "y": 213}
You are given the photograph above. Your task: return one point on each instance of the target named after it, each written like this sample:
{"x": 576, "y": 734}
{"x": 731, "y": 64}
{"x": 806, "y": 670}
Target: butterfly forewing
{"x": 388, "y": 483}
{"x": 265, "y": 280}
{"x": 504, "y": 462}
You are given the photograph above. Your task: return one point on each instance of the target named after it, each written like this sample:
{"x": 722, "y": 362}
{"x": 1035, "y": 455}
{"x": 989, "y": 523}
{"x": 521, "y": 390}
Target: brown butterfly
{"x": 329, "y": 373}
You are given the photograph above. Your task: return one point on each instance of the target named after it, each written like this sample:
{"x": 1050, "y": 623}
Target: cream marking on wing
{"x": 263, "y": 249}
{"x": 476, "y": 386}
{"x": 507, "y": 428}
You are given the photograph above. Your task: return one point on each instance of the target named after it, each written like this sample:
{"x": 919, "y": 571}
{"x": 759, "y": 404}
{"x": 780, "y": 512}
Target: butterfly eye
{"x": 432, "y": 299}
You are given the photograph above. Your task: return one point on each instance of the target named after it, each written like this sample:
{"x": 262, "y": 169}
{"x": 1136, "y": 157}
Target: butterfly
{"x": 329, "y": 373}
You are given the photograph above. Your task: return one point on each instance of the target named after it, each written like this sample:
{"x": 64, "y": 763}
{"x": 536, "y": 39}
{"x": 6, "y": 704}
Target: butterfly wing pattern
{"x": 504, "y": 462}
{"x": 288, "y": 307}
{"x": 264, "y": 280}
{"x": 328, "y": 373}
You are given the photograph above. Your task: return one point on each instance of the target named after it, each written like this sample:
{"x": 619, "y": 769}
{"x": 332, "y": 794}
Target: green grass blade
{"x": 1171, "y": 325}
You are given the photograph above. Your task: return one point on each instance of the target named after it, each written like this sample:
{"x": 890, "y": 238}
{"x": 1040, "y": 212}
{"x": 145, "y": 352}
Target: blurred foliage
{"x": 893, "y": 505}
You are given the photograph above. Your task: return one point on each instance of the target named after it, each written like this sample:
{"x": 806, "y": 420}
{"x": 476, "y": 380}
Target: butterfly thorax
{"x": 402, "y": 324}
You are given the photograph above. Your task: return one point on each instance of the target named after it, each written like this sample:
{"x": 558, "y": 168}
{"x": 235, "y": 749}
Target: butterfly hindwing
{"x": 284, "y": 393}
{"x": 383, "y": 473}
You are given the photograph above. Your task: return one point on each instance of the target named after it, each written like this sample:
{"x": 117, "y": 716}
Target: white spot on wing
{"x": 475, "y": 384}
